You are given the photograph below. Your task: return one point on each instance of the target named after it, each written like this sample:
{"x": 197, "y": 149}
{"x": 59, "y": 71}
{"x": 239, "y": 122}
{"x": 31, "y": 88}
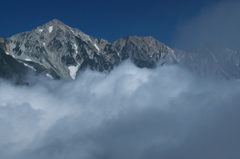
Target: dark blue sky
{"x": 108, "y": 19}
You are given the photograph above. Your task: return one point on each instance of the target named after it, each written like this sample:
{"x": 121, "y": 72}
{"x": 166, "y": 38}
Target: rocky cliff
{"x": 60, "y": 51}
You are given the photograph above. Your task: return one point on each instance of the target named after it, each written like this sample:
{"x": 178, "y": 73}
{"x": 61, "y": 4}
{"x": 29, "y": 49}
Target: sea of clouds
{"x": 165, "y": 112}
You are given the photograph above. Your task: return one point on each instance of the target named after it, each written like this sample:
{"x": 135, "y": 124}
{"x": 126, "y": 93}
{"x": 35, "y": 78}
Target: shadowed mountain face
{"x": 61, "y": 51}
{"x": 211, "y": 60}
{"x": 10, "y": 68}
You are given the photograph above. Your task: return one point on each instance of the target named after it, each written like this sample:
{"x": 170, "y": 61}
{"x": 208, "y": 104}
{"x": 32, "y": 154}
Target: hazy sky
{"x": 106, "y": 18}
{"x": 218, "y": 24}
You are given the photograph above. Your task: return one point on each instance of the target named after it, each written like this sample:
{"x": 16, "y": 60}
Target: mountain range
{"x": 59, "y": 51}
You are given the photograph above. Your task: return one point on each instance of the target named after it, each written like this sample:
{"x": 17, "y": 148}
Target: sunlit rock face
{"x": 144, "y": 51}
{"x": 60, "y": 51}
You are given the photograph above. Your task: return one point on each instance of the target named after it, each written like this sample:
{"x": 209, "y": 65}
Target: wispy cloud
{"x": 129, "y": 113}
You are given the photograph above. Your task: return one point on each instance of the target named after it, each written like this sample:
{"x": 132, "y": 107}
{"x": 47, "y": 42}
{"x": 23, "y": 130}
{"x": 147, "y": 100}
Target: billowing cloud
{"x": 130, "y": 113}
{"x": 218, "y": 23}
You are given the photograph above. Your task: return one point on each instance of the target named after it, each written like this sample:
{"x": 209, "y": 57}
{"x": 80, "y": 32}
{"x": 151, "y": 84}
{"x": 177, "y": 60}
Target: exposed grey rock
{"x": 211, "y": 60}
{"x": 144, "y": 51}
{"x": 10, "y": 68}
{"x": 60, "y": 51}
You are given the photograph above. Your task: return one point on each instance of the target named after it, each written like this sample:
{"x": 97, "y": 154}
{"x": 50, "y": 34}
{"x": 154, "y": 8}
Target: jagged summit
{"x": 60, "y": 51}
{"x": 55, "y": 22}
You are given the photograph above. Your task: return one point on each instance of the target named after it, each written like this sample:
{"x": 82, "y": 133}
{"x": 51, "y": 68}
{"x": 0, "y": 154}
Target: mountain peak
{"x": 60, "y": 51}
{"x": 55, "y": 22}
{"x": 54, "y": 26}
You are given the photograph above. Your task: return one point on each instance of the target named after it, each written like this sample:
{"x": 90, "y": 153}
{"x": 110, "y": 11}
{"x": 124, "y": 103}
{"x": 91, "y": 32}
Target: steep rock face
{"x": 143, "y": 51}
{"x": 56, "y": 48}
{"x": 60, "y": 51}
{"x": 10, "y": 68}
{"x": 211, "y": 60}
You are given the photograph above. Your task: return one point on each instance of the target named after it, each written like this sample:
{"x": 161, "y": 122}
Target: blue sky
{"x": 106, "y": 19}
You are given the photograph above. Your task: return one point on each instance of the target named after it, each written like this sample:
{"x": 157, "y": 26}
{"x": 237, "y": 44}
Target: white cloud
{"x": 130, "y": 113}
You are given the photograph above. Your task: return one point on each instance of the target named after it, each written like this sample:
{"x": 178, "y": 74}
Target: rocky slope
{"x": 60, "y": 51}
{"x": 211, "y": 60}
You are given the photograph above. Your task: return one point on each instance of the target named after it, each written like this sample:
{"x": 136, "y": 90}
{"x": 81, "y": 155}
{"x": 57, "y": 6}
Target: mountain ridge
{"x": 211, "y": 59}
{"x": 60, "y": 51}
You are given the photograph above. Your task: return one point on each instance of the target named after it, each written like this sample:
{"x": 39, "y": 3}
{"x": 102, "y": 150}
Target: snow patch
{"x": 29, "y": 66}
{"x": 40, "y": 30}
{"x": 49, "y": 76}
{"x": 213, "y": 56}
{"x": 10, "y": 54}
{"x": 44, "y": 44}
{"x": 50, "y": 29}
{"x": 76, "y": 47}
{"x": 225, "y": 73}
{"x": 28, "y": 59}
{"x": 73, "y": 71}
{"x": 89, "y": 38}
{"x": 96, "y": 47}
